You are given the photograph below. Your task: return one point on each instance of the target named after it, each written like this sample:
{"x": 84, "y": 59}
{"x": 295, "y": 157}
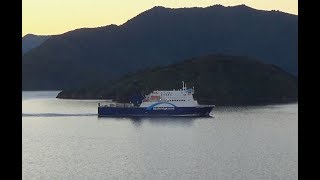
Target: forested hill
{"x": 217, "y": 79}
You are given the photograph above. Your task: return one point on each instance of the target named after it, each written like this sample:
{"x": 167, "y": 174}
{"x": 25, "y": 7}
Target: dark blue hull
{"x": 201, "y": 111}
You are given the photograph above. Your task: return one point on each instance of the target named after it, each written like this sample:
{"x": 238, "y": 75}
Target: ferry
{"x": 178, "y": 103}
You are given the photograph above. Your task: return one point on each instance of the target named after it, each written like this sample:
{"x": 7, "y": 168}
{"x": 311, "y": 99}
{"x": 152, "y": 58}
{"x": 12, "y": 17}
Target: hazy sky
{"x": 47, "y": 17}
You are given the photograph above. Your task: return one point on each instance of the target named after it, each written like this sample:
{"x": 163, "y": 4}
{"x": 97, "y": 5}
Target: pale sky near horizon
{"x": 49, "y": 17}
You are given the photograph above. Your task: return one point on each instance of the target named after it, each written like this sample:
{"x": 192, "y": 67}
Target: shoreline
{"x": 219, "y": 104}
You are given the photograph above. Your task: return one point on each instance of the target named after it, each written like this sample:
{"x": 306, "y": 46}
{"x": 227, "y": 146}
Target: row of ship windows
{"x": 176, "y": 100}
{"x": 166, "y": 94}
{"x": 170, "y": 94}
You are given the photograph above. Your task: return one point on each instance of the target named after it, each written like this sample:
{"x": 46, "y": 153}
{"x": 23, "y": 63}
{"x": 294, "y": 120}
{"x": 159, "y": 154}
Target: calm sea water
{"x": 64, "y": 139}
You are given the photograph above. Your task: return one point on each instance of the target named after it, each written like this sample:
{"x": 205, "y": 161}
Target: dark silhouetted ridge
{"x": 160, "y": 36}
{"x": 30, "y": 41}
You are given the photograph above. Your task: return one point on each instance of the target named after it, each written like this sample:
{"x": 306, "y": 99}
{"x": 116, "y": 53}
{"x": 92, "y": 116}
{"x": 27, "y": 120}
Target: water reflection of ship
{"x": 138, "y": 121}
{"x": 186, "y": 121}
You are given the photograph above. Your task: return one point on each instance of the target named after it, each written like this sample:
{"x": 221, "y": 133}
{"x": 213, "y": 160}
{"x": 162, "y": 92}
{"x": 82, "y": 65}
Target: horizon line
{"x": 23, "y": 35}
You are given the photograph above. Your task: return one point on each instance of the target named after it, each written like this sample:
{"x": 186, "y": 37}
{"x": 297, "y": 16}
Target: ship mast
{"x": 183, "y": 86}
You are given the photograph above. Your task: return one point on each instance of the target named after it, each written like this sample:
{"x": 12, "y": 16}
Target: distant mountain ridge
{"x": 218, "y": 79}
{"x": 30, "y": 41}
{"x": 161, "y": 36}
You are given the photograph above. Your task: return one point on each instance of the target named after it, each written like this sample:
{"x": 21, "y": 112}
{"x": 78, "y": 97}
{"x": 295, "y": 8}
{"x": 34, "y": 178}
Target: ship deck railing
{"x": 124, "y": 105}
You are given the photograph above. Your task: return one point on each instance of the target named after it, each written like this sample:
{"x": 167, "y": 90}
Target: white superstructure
{"x": 179, "y": 98}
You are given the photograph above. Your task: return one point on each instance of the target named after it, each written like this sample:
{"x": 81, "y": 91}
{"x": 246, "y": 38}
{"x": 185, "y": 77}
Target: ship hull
{"x": 201, "y": 111}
